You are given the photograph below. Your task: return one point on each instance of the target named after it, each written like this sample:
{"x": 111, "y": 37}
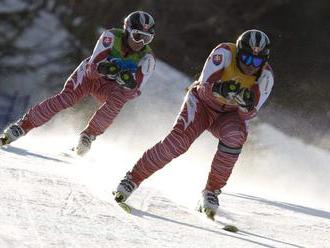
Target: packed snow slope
{"x": 277, "y": 196}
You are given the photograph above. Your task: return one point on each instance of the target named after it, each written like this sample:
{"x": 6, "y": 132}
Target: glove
{"x": 108, "y": 69}
{"x": 227, "y": 89}
{"x": 122, "y": 77}
{"x": 246, "y": 99}
{"x": 125, "y": 78}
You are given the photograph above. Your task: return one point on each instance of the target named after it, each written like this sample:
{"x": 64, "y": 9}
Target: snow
{"x": 51, "y": 200}
{"x": 9, "y": 6}
{"x": 277, "y": 195}
{"x": 41, "y": 53}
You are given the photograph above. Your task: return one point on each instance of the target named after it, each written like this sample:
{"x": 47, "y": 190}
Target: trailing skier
{"x": 121, "y": 64}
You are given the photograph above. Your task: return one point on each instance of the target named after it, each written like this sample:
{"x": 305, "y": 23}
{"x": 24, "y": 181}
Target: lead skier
{"x": 235, "y": 82}
{"x": 121, "y": 63}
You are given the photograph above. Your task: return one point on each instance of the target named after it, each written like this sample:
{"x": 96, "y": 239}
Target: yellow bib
{"x": 232, "y": 72}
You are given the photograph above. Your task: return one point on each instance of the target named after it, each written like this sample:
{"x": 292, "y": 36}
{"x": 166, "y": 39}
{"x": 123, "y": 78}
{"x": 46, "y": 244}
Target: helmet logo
{"x": 146, "y": 27}
{"x": 256, "y": 50}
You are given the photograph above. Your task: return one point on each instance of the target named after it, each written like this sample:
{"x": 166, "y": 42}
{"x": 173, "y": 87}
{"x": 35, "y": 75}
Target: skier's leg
{"x": 113, "y": 100}
{"x": 44, "y": 111}
{"x": 232, "y": 134}
{"x": 191, "y": 122}
{"x": 75, "y": 88}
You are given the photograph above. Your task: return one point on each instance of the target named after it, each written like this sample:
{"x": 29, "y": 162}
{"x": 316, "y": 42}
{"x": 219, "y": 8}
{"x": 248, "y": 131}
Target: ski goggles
{"x": 249, "y": 59}
{"x": 140, "y": 36}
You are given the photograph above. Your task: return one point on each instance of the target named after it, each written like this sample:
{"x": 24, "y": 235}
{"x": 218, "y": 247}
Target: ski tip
{"x": 125, "y": 207}
{"x": 230, "y": 228}
{"x": 210, "y": 213}
{"x": 211, "y": 217}
{"x": 3, "y": 141}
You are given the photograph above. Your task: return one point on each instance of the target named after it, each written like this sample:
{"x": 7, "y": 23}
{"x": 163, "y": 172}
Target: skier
{"x": 121, "y": 63}
{"x": 235, "y": 82}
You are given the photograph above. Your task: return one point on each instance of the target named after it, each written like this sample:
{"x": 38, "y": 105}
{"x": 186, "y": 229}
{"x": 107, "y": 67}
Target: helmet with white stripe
{"x": 254, "y": 42}
{"x": 139, "y": 28}
{"x": 140, "y": 20}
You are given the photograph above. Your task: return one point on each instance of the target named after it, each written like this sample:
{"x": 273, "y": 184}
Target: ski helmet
{"x": 140, "y": 26}
{"x": 253, "y": 42}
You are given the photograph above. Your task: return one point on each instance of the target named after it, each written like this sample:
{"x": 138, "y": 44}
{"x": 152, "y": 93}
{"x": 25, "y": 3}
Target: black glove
{"x": 246, "y": 99}
{"x": 126, "y": 79}
{"x": 112, "y": 71}
{"x": 108, "y": 69}
{"x": 227, "y": 89}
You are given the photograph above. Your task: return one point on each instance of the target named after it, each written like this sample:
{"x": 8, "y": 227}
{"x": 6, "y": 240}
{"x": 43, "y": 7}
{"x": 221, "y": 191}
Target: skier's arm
{"x": 100, "y": 52}
{"x": 261, "y": 92}
{"x": 145, "y": 69}
{"x": 102, "y": 47}
{"x": 219, "y": 58}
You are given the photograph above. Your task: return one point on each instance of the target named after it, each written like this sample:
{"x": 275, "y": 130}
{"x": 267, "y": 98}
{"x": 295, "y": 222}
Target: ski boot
{"x": 124, "y": 189}
{"x": 10, "y": 134}
{"x": 84, "y": 144}
{"x": 209, "y": 203}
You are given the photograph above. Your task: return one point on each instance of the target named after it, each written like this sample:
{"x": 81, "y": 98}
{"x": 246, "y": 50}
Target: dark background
{"x": 187, "y": 30}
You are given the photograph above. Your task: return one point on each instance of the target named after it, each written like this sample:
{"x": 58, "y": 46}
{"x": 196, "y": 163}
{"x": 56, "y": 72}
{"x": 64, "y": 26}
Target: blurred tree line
{"x": 187, "y": 30}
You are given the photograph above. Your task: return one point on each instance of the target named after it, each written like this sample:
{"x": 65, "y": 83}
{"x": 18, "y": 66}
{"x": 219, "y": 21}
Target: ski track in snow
{"x": 44, "y": 202}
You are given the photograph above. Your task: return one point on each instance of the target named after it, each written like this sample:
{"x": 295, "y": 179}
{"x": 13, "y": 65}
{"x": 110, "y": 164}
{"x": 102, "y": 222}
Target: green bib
{"x": 129, "y": 62}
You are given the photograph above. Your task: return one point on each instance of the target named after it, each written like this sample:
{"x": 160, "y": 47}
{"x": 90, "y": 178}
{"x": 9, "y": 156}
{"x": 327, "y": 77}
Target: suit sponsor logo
{"x": 146, "y": 27}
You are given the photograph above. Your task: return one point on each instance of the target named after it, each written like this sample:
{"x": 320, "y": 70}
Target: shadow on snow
{"x": 23, "y": 152}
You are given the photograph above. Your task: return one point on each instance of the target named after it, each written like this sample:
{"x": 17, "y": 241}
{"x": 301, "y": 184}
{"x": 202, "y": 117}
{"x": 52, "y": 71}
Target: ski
{"x": 210, "y": 215}
{"x": 127, "y": 208}
{"x": 70, "y": 153}
{"x": 230, "y": 228}
{"x": 118, "y": 196}
{"x": 3, "y": 141}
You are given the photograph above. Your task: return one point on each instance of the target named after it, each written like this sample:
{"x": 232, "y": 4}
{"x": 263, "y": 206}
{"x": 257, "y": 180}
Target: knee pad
{"x": 230, "y": 150}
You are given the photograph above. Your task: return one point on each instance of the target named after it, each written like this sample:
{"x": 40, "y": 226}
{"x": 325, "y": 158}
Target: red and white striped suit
{"x": 201, "y": 111}
{"x": 86, "y": 81}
